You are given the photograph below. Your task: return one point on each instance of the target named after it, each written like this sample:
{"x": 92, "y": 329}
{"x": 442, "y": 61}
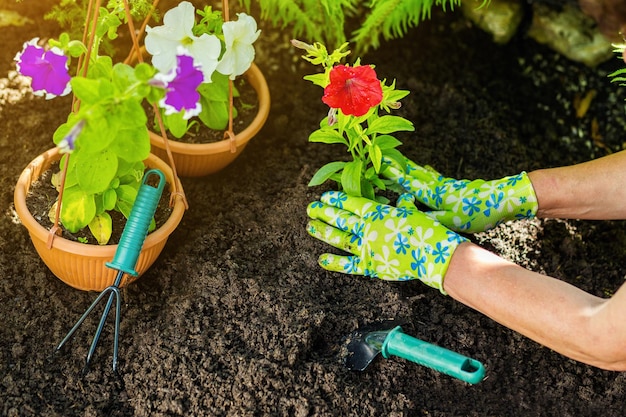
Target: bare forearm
{"x": 591, "y": 190}
{"x": 549, "y": 311}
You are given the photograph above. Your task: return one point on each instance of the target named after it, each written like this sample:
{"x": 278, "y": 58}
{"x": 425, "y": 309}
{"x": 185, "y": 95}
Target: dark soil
{"x": 237, "y": 319}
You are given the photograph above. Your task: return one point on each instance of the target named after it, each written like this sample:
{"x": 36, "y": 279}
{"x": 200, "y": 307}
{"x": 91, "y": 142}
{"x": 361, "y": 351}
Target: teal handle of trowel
{"x": 138, "y": 223}
{"x": 435, "y": 357}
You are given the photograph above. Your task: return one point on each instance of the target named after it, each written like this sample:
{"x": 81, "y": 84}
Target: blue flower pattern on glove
{"x": 401, "y": 244}
{"x": 357, "y": 233}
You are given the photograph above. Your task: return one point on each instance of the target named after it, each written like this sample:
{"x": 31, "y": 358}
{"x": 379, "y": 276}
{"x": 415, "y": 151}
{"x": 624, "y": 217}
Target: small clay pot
{"x": 200, "y": 159}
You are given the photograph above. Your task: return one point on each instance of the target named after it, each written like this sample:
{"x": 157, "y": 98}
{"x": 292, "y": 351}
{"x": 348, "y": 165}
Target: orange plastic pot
{"x": 80, "y": 265}
{"x": 200, "y": 159}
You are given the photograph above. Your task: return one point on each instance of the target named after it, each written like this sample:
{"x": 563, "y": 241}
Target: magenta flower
{"x": 47, "y": 69}
{"x": 181, "y": 84}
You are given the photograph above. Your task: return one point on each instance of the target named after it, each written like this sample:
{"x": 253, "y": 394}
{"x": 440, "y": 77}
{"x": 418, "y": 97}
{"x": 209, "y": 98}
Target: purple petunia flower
{"x": 47, "y": 69}
{"x": 68, "y": 143}
{"x": 181, "y": 84}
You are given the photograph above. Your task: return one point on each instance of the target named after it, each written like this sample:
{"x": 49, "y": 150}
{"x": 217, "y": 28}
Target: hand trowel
{"x": 387, "y": 338}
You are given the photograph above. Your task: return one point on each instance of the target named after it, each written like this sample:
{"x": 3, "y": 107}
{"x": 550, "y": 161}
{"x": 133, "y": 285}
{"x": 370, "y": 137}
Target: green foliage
{"x": 328, "y": 21}
{"x": 393, "y": 18}
{"x": 71, "y": 16}
{"x": 106, "y": 167}
{"x": 322, "y": 20}
{"x": 367, "y": 138}
{"x": 619, "y": 76}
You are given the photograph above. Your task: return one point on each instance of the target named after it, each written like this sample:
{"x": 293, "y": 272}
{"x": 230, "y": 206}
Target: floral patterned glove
{"x": 463, "y": 205}
{"x": 386, "y": 242}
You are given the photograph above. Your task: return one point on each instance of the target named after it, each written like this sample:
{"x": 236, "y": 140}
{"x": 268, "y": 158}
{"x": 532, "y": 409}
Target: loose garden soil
{"x": 237, "y": 319}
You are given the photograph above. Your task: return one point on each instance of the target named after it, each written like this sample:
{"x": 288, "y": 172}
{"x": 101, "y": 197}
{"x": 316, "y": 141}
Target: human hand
{"x": 391, "y": 243}
{"x": 463, "y": 205}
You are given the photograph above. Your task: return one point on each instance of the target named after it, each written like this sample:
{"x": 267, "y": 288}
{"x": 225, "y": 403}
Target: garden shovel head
{"x": 387, "y": 338}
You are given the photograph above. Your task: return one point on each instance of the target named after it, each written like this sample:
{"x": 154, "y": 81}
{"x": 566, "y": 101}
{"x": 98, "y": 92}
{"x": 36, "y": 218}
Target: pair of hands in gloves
{"x": 404, "y": 243}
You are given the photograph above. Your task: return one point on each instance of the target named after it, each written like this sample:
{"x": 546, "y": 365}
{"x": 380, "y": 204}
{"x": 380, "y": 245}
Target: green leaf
{"x": 78, "y": 209}
{"x": 176, "y": 124}
{"x": 132, "y": 144}
{"x": 128, "y": 113}
{"x": 387, "y": 142}
{"x": 126, "y": 196}
{"x": 76, "y": 48}
{"x": 87, "y": 90}
{"x": 98, "y": 132}
{"x": 214, "y": 114}
{"x": 389, "y": 124}
{"x": 95, "y": 171}
{"x": 396, "y": 156}
{"x": 144, "y": 71}
{"x": 98, "y": 198}
{"x": 376, "y": 156}
{"x": 391, "y": 94}
{"x": 217, "y": 89}
{"x": 70, "y": 178}
{"x": 61, "y": 132}
{"x": 377, "y": 182}
{"x": 131, "y": 174}
{"x": 101, "y": 68}
{"x": 351, "y": 178}
{"x": 618, "y": 72}
{"x": 116, "y": 181}
{"x": 109, "y": 199}
{"x": 327, "y": 136}
{"x": 320, "y": 79}
{"x": 367, "y": 190}
{"x": 123, "y": 76}
{"x": 101, "y": 227}
{"x": 325, "y": 172}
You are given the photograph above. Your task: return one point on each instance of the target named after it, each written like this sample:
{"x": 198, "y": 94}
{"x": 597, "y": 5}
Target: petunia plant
{"x": 358, "y": 118}
{"x": 224, "y": 51}
{"x": 105, "y": 138}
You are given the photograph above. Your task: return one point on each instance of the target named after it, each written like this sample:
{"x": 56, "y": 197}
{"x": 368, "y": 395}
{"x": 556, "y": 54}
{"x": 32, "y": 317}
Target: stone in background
{"x": 565, "y": 28}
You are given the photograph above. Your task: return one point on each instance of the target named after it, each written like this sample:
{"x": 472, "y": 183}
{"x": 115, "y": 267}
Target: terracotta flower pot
{"x": 83, "y": 265}
{"x": 199, "y": 159}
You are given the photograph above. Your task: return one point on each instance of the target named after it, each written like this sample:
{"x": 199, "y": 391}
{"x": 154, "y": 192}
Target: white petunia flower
{"x": 162, "y": 42}
{"x": 239, "y": 36}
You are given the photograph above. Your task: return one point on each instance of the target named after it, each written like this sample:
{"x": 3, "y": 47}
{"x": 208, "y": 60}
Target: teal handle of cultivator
{"x": 137, "y": 225}
{"x": 435, "y": 357}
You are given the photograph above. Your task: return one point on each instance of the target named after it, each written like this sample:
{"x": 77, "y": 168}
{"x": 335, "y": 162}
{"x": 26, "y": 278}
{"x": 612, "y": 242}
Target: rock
{"x": 500, "y": 18}
{"x": 566, "y": 29}
{"x": 571, "y": 33}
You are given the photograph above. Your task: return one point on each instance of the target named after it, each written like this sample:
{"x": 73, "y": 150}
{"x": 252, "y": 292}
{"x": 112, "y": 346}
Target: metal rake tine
{"x": 113, "y": 292}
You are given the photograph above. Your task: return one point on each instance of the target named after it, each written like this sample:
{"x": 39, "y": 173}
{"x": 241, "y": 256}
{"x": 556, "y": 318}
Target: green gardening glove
{"x": 463, "y": 205}
{"x": 391, "y": 243}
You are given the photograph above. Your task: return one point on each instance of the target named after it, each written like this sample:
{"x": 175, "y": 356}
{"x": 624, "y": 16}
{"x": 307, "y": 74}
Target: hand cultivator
{"x": 124, "y": 261}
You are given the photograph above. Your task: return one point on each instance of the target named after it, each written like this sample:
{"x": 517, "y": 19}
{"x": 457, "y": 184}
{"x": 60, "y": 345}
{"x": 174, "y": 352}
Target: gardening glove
{"x": 463, "y": 205}
{"x": 391, "y": 243}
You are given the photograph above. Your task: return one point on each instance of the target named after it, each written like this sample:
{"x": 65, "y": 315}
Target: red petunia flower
{"x": 353, "y": 90}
